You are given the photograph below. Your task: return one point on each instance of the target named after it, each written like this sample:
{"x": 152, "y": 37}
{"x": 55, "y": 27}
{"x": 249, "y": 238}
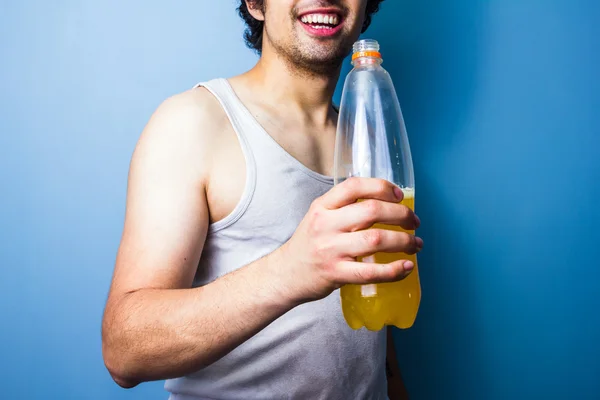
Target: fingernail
{"x": 398, "y": 193}
{"x": 418, "y": 221}
{"x": 408, "y": 265}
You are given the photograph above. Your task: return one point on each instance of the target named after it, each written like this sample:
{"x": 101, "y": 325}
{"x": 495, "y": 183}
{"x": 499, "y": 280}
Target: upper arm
{"x": 166, "y": 218}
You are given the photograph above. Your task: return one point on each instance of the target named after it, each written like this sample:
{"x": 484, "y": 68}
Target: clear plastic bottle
{"x": 371, "y": 141}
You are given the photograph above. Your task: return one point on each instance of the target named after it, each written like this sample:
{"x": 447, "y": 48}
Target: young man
{"x": 236, "y": 241}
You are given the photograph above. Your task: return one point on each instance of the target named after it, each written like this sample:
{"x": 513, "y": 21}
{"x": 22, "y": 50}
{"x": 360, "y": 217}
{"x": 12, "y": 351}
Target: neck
{"x": 297, "y": 90}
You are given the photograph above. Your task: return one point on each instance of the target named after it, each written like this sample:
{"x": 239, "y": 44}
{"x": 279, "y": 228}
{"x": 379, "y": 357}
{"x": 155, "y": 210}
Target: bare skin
{"x": 188, "y": 171}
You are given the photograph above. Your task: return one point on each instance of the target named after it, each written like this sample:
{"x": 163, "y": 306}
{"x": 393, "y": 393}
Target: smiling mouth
{"x": 321, "y": 21}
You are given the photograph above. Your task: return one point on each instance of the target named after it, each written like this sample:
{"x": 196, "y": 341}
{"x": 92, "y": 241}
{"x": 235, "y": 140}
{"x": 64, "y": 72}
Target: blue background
{"x": 501, "y": 103}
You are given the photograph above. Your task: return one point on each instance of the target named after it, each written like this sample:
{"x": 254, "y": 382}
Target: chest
{"x": 287, "y": 168}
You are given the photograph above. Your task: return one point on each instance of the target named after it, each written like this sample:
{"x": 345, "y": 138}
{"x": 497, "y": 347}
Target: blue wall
{"x": 78, "y": 81}
{"x": 500, "y": 100}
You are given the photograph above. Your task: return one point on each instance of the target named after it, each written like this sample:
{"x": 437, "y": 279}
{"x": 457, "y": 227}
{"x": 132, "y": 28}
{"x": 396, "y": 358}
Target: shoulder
{"x": 194, "y": 106}
{"x": 189, "y": 116}
{"x": 181, "y": 132}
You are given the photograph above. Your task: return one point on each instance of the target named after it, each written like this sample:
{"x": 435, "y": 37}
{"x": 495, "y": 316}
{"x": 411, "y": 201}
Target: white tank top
{"x": 309, "y": 353}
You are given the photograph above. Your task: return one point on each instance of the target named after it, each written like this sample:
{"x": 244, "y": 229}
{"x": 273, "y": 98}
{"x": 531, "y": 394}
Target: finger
{"x": 370, "y": 241}
{"x": 353, "y": 189}
{"x": 364, "y": 214}
{"x": 360, "y": 273}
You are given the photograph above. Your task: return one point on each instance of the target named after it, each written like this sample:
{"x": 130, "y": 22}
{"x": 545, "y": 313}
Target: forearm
{"x": 157, "y": 334}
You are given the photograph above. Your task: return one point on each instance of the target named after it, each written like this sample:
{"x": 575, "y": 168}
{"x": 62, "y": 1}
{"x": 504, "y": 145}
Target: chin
{"x": 319, "y": 65}
{"x": 331, "y": 58}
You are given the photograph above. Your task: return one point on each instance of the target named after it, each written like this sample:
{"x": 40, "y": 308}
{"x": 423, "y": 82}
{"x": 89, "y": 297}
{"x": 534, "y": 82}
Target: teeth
{"x": 320, "y": 19}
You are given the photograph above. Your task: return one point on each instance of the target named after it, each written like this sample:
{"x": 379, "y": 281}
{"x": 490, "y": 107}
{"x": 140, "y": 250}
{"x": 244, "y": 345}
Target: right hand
{"x": 334, "y": 232}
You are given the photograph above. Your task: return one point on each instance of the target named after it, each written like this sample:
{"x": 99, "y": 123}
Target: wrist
{"x": 280, "y": 272}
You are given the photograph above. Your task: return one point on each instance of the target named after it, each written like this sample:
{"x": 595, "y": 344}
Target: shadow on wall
{"x": 431, "y": 50}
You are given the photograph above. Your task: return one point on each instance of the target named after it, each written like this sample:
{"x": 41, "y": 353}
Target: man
{"x": 236, "y": 241}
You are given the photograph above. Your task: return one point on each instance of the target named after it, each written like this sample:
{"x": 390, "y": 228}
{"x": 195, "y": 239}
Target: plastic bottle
{"x": 371, "y": 141}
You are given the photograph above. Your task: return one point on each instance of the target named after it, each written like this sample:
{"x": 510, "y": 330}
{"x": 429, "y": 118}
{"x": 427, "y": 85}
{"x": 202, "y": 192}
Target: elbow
{"x": 120, "y": 371}
{"x": 125, "y": 383}
{"x": 121, "y": 364}
{"x": 120, "y": 368}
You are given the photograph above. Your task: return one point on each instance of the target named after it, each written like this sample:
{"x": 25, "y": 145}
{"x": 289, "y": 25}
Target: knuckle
{"x": 316, "y": 220}
{"x": 366, "y": 274}
{"x": 321, "y": 249}
{"x": 392, "y": 273}
{"x": 382, "y": 186}
{"x": 315, "y": 227}
{"x": 373, "y": 237}
{"x": 317, "y": 203}
{"x": 351, "y": 184}
{"x": 372, "y": 209}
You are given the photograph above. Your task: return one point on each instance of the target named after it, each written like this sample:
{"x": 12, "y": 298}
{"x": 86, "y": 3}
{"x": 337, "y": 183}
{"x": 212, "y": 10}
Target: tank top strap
{"x": 240, "y": 123}
{"x": 244, "y": 123}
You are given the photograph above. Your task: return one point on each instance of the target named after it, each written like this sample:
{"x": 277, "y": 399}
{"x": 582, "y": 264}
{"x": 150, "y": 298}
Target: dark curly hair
{"x": 254, "y": 28}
